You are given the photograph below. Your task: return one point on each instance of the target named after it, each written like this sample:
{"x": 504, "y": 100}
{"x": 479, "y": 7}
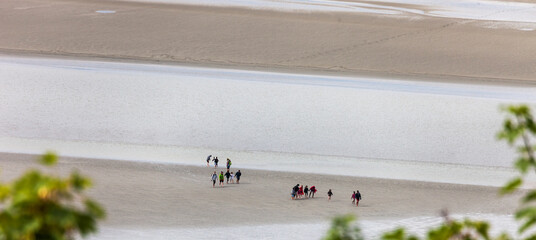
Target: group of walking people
{"x": 297, "y": 192}
{"x": 301, "y": 192}
{"x": 230, "y": 176}
{"x": 216, "y": 160}
{"x": 356, "y": 196}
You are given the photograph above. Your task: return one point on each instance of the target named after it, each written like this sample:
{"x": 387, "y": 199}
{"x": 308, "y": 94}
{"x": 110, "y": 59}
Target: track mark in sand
{"x": 367, "y": 43}
{"x": 394, "y": 37}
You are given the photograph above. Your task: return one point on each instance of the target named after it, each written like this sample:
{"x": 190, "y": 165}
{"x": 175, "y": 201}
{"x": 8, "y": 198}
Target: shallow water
{"x": 241, "y": 111}
{"x": 516, "y": 14}
{"x": 371, "y": 229}
{"x": 273, "y": 121}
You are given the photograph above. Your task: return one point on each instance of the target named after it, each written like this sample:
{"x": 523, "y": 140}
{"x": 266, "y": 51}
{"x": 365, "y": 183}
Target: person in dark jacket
{"x": 295, "y": 190}
{"x": 330, "y": 194}
{"x": 357, "y": 198}
{"x": 237, "y": 176}
{"x": 227, "y": 176}
{"x": 306, "y": 191}
{"x": 215, "y": 160}
{"x": 208, "y": 160}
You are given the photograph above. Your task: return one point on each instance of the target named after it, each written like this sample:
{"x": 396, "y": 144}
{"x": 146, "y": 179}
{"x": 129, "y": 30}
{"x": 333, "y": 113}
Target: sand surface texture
{"x": 241, "y": 38}
{"x": 166, "y": 195}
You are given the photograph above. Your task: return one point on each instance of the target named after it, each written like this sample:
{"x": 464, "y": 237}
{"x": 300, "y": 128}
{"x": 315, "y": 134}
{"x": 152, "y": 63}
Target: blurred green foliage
{"x": 342, "y": 228}
{"x": 42, "y": 206}
{"x": 518, "y": 130}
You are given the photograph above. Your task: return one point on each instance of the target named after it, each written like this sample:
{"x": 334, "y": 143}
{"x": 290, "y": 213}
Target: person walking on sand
{"x": 227, "y": 176}
{"x": 357, "y": 198}
{"x": 214, "y": 178}
{"x": 353, "y": 198}
{"x": 300, "y": 191}
{"x": 232, "y": 177}
{"x": 295, "y": 191}
{"x": 215, "y": 160}
{"x": 312, "y": 191}
{"x": 221, "y": 178}
{"x": 228, "y": 163}
{"x": 208, "y": 160}
{"x": 306, "y": 191}
{"x": 330, "y": 194}
{"x": 237, "y": 175}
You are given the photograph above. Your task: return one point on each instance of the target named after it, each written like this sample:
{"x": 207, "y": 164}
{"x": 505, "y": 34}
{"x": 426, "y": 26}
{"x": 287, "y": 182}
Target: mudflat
{"x": 152, "y": 195}
{"x": 340, "y": 43}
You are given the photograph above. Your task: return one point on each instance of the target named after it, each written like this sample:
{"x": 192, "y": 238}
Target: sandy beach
{"x": 149, "y": 195}
{"x": 338, "y": 43}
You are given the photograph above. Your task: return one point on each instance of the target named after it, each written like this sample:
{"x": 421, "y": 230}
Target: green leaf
{"x": 4, "y": 192}
{"x": 398, "y": 234}
{"x": 531, "y": 237}
{"x": 526, "y": 212}
{"x": 49, "y": 159}
{"x": 503, "y": 236}
{"x": 30, "y": 225}
{"x": 522, "y": 164}
{"x": 529, "y": 223}
{"x": 529, "y": 197}
{"x": 94, "y": 209}
{"x": 341, "y": 229}
{"x": 78, "y": 182}
{"x": 482, "y": 228}
{"x": 511, "y": 186}
{"x": 86, "y": 224}
{"x": 41, "y": 206}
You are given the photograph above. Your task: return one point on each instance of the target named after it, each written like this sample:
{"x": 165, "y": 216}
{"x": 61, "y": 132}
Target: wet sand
{"x": 338, "y": 43}
{"x": 150, "y": 195}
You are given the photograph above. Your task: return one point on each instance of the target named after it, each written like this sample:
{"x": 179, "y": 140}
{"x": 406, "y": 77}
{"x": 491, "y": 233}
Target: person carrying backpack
{"x": 229, "y": 163}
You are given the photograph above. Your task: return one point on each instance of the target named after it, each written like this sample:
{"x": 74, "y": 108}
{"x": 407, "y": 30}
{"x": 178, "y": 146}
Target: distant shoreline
{"x": 445, "y": 78}
{"x": 428, "y": 49}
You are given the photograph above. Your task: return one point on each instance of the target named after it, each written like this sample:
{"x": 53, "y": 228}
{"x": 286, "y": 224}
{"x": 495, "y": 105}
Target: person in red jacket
{"x": 313, "y": 191}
